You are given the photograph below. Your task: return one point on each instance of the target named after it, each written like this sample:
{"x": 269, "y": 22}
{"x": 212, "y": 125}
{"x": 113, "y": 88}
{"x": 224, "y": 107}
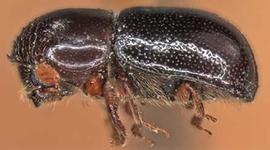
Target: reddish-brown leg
{"x": 93, "y": 86}
{"x": 185, "y": 93}
{"x": 112, "y": 102}
{"x": 133, "y": 110}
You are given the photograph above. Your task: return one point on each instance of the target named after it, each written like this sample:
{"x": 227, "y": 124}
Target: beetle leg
{"x": 112, "y": 103}
{"x": 43, "y": 83}
{"x": 137, "y": 126}
{"x": 185, "y": 93}
{"x": 136, "y": 114}
{"x": 49, "y": 90}
{"x": 93, "y": 86}
{"x": 184, "y": 96}
{"x": 44, "y": 95}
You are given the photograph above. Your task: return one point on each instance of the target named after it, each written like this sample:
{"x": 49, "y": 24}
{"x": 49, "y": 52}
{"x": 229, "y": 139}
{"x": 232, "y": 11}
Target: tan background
{"x": 72, "y": 126}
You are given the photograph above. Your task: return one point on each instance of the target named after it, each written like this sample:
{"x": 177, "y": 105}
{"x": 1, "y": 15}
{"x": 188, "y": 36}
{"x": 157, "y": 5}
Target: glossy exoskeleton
{"x": 143, "y": 54}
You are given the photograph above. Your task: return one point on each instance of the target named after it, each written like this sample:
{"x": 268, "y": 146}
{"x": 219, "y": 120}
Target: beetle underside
{"x": 120, "y": 88}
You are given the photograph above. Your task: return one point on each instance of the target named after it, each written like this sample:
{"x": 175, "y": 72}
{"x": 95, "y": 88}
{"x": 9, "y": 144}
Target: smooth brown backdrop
{"x": 72, "y": 126}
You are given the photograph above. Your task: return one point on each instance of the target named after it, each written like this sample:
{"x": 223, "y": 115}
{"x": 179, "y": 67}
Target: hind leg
{"x": 190, "y": 98}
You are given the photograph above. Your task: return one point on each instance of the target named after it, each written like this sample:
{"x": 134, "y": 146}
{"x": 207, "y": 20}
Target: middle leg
{"x": 133, "y": 110}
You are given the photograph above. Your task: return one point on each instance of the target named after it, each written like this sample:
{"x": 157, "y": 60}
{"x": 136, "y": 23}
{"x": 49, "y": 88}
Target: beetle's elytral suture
{"x": 187, "y": 95}
{"x": 112, "y": 100}
{"x": 133, "y": 110}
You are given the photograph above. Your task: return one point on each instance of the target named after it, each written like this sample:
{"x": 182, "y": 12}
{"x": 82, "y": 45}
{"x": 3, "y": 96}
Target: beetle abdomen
{"x": 190, "y": 44}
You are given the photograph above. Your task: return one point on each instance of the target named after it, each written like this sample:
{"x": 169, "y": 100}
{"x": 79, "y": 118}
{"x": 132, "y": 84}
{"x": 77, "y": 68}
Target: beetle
{"x": 157, "y": 55}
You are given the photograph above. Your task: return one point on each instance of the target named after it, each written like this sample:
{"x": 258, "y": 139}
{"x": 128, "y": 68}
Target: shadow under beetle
{"x": 143, "y": 54}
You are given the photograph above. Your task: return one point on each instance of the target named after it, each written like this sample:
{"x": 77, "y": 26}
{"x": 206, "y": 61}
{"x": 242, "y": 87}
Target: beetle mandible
{"x": 152, "y": 55}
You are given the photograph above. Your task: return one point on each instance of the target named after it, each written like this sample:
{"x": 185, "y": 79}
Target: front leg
{"x": 44, "y": 95}
{"x": 43, "y": 83}
{"x": 112, "y": 103}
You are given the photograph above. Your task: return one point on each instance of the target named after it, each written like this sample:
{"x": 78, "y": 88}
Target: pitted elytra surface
{"x": 191, "y": 44}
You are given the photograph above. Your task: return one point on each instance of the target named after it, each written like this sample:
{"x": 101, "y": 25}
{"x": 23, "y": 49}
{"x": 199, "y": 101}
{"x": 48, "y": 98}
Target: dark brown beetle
{"x": 145, "y": 54}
